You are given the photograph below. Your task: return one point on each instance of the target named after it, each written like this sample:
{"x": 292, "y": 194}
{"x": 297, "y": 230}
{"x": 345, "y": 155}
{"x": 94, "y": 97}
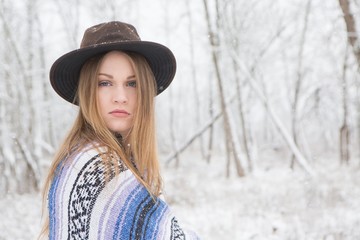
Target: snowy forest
{"x": 259, "y": 133}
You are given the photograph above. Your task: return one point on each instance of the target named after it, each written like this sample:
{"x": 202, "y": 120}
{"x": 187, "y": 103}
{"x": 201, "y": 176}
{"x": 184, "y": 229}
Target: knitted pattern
{"x": 82, "y": 205}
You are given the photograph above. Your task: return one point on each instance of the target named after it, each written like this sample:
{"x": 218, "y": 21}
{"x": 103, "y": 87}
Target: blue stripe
{"x": 52, "y": 200}
{"x": 141, "y": 216}
{"x": 153, "y": 219}
{"x": 142, "y": 210}
{"x": 124, "y": 230}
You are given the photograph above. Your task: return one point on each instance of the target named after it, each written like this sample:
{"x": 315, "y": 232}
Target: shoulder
{"x": 86, "y": 171}
{"x": 76, "y": 165}
{"x": 87, "y": 166}
{"x": 83, "y": 155}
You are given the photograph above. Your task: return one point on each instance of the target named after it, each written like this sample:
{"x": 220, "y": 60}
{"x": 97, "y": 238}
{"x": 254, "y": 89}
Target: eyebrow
{"x": 106, "y": 75}
{"x": 110, "y": 76}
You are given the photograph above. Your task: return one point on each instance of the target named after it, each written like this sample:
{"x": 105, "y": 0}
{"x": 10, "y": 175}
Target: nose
{"x": 120, "y": 95}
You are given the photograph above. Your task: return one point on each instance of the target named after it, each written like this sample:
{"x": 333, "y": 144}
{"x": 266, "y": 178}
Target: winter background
{"x": 259, "y": 133}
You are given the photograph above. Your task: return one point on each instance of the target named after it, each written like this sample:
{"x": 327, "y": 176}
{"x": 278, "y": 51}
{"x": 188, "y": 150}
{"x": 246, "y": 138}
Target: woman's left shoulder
{"x": 86, "y": 155}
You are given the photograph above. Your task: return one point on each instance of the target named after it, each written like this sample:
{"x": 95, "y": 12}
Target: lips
{"x": 119, "y": 113}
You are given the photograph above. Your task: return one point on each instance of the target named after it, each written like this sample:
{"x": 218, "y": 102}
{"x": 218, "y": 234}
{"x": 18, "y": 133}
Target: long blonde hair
{"x": 89, "y": 127}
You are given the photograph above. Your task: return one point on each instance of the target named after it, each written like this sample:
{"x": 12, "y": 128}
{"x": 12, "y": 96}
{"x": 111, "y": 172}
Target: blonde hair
{"x": 89, "y": 127}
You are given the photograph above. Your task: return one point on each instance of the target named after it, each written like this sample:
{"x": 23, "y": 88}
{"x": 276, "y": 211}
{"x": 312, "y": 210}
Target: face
{"x": 117, "y": 92}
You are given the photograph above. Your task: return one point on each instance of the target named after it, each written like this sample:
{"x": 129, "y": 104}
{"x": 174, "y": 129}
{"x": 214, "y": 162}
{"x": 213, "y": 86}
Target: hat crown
{"x": 110, "y": 32}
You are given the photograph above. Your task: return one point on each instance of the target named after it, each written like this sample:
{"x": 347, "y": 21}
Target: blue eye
{"x": 131, "y": 84}
{"x": 104, "y": 83}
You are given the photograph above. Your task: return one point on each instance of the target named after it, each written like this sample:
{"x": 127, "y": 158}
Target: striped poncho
{"x": 82, "y": 205}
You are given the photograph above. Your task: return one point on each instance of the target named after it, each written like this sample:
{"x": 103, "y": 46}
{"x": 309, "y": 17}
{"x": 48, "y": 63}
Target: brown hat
{"x": 105, "y": 37}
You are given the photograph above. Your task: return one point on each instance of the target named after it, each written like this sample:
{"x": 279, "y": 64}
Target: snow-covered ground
{"x": 272, "y": 203}
{"x": 275, "y": 203}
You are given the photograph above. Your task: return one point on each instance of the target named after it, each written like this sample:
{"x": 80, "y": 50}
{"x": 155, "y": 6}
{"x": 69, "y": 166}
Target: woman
{"x": 104, "y": 182}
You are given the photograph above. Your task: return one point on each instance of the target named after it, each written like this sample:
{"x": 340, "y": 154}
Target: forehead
{"x": 116, "y": 62}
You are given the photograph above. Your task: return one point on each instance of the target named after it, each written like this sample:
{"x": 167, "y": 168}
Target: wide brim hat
{"x": 103, "y": 38}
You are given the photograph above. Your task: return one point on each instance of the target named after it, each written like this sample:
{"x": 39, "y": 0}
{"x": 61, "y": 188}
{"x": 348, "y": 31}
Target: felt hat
{"x": 103, "y": 38}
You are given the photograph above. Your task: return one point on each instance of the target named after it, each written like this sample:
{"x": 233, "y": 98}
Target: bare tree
{"x": 233, "y": 28}
{"x": 229, "y": 138}
{"x": 299, "y": 79}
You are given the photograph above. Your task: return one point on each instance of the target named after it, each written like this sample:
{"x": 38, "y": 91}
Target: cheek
{"x": 134, "y": 101}
{"x": 101, "y": 99}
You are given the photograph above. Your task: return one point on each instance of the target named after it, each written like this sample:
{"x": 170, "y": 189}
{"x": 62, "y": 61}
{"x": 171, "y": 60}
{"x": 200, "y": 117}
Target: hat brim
{"x": 65, "y": 72}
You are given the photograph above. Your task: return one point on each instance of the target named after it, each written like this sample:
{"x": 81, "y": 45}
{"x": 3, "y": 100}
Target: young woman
{"x": 104, "y": 182}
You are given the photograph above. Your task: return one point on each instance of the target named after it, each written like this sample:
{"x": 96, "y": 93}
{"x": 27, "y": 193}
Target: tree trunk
{"x": 344, "y": 132}
{"x": 352, "y": 38}
{"x": 230, "y": 144}
{"x": 211, "y": 131}
{"x": 299, "y": 79}
{"x": 353, "y": 41}
{"x": 245, "y": 139}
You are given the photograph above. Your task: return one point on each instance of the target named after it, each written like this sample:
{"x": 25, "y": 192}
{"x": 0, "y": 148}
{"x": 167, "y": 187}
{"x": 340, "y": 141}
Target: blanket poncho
{"x": 82, "y": 205}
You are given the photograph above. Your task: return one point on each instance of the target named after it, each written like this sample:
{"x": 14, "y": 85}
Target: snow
{"x": 20, "y": 216}
{"x": 275, "y": 202}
